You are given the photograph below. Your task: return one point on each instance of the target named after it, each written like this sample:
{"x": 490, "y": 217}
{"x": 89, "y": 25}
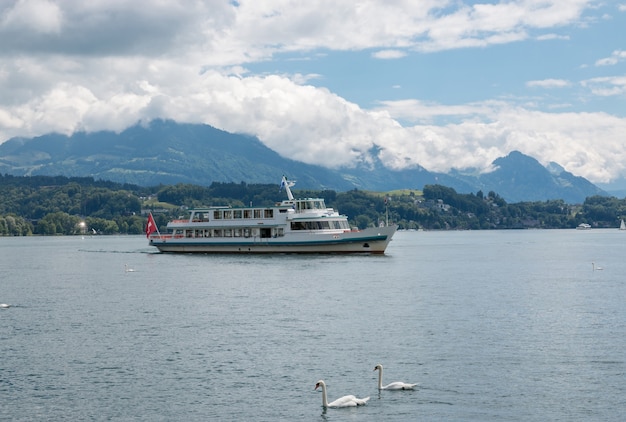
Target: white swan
{"x": 345, "y": 401}
{"x": 398, "y": 385}
{"x": 4, "y": 305}
{"x": 593, "y": 265}
{"x": 128, "y": 269}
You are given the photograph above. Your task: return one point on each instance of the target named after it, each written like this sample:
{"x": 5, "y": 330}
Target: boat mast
{"x": 386, "y": 211}
{"x": 386, "y": 216}
{"x": 287, "y": 184}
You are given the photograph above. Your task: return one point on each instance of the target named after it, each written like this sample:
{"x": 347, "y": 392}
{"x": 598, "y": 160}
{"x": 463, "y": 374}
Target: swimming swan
{"x": 398, "y": 385}
{"x": 345, "y": 401}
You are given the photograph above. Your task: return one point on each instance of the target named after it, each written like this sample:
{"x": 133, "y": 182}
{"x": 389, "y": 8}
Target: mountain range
{"x": 166, "y": 152}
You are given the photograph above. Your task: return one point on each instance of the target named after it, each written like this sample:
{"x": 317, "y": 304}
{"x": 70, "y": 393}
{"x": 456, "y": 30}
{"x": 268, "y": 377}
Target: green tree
{"x": 59, "y": 223}
{"x": 363, "y": 221}
{"x": 11, "y": 225}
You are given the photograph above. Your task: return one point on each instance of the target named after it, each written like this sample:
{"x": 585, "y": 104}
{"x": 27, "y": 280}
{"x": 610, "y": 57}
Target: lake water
{"x": 493, "y": 325}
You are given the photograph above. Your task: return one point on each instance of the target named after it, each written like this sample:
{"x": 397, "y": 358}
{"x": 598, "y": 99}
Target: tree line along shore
{"x": 58, "y": 205}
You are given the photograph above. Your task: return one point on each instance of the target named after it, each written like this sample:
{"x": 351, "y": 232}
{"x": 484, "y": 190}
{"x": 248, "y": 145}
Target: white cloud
{"x": 548, "y": 37}
{"x": 316, "y": 126}
{"x": 486, "y": 24}
{"x": 8, "y": 121}
{"x": 425, "y": 112}
{"x": 106, "y": 64}
{"x": 389, "y": 54}
{"x": 548, "y": 83}
{"x": 492, "y": 130}
{"x": 616, "y": 57}
{"x": 39, "y": 16}
{"x": 606, "y": 86}
{"x": 224, "y": 34}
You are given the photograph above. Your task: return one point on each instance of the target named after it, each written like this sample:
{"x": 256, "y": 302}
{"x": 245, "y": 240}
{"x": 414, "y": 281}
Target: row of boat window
{"x": 264, "y": 231}
{"x": 234, "y": 214}
{"x": 319, "y": 225}
{"x": 237, "y": 232}
{"x": 310, "y": 205}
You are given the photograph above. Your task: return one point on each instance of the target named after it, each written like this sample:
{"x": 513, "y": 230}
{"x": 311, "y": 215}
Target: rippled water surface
{"x": 498, "y": 325}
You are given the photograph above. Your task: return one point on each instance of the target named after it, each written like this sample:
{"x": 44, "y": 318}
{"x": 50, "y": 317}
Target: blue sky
{"x": 437, "y": 83}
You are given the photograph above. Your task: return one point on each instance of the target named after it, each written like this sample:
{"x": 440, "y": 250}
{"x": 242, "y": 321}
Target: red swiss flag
{"x": 151, "y": 226}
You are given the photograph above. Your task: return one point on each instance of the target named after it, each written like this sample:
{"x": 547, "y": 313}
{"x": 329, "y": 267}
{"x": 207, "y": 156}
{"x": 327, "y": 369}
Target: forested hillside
{"x": 59, "y": 205}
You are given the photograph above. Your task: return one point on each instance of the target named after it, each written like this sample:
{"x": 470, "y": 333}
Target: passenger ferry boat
{"x": 291, "y": 226}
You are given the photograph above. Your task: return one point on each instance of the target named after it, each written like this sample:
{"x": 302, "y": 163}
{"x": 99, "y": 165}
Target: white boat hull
{"x": 368, "y": 241}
